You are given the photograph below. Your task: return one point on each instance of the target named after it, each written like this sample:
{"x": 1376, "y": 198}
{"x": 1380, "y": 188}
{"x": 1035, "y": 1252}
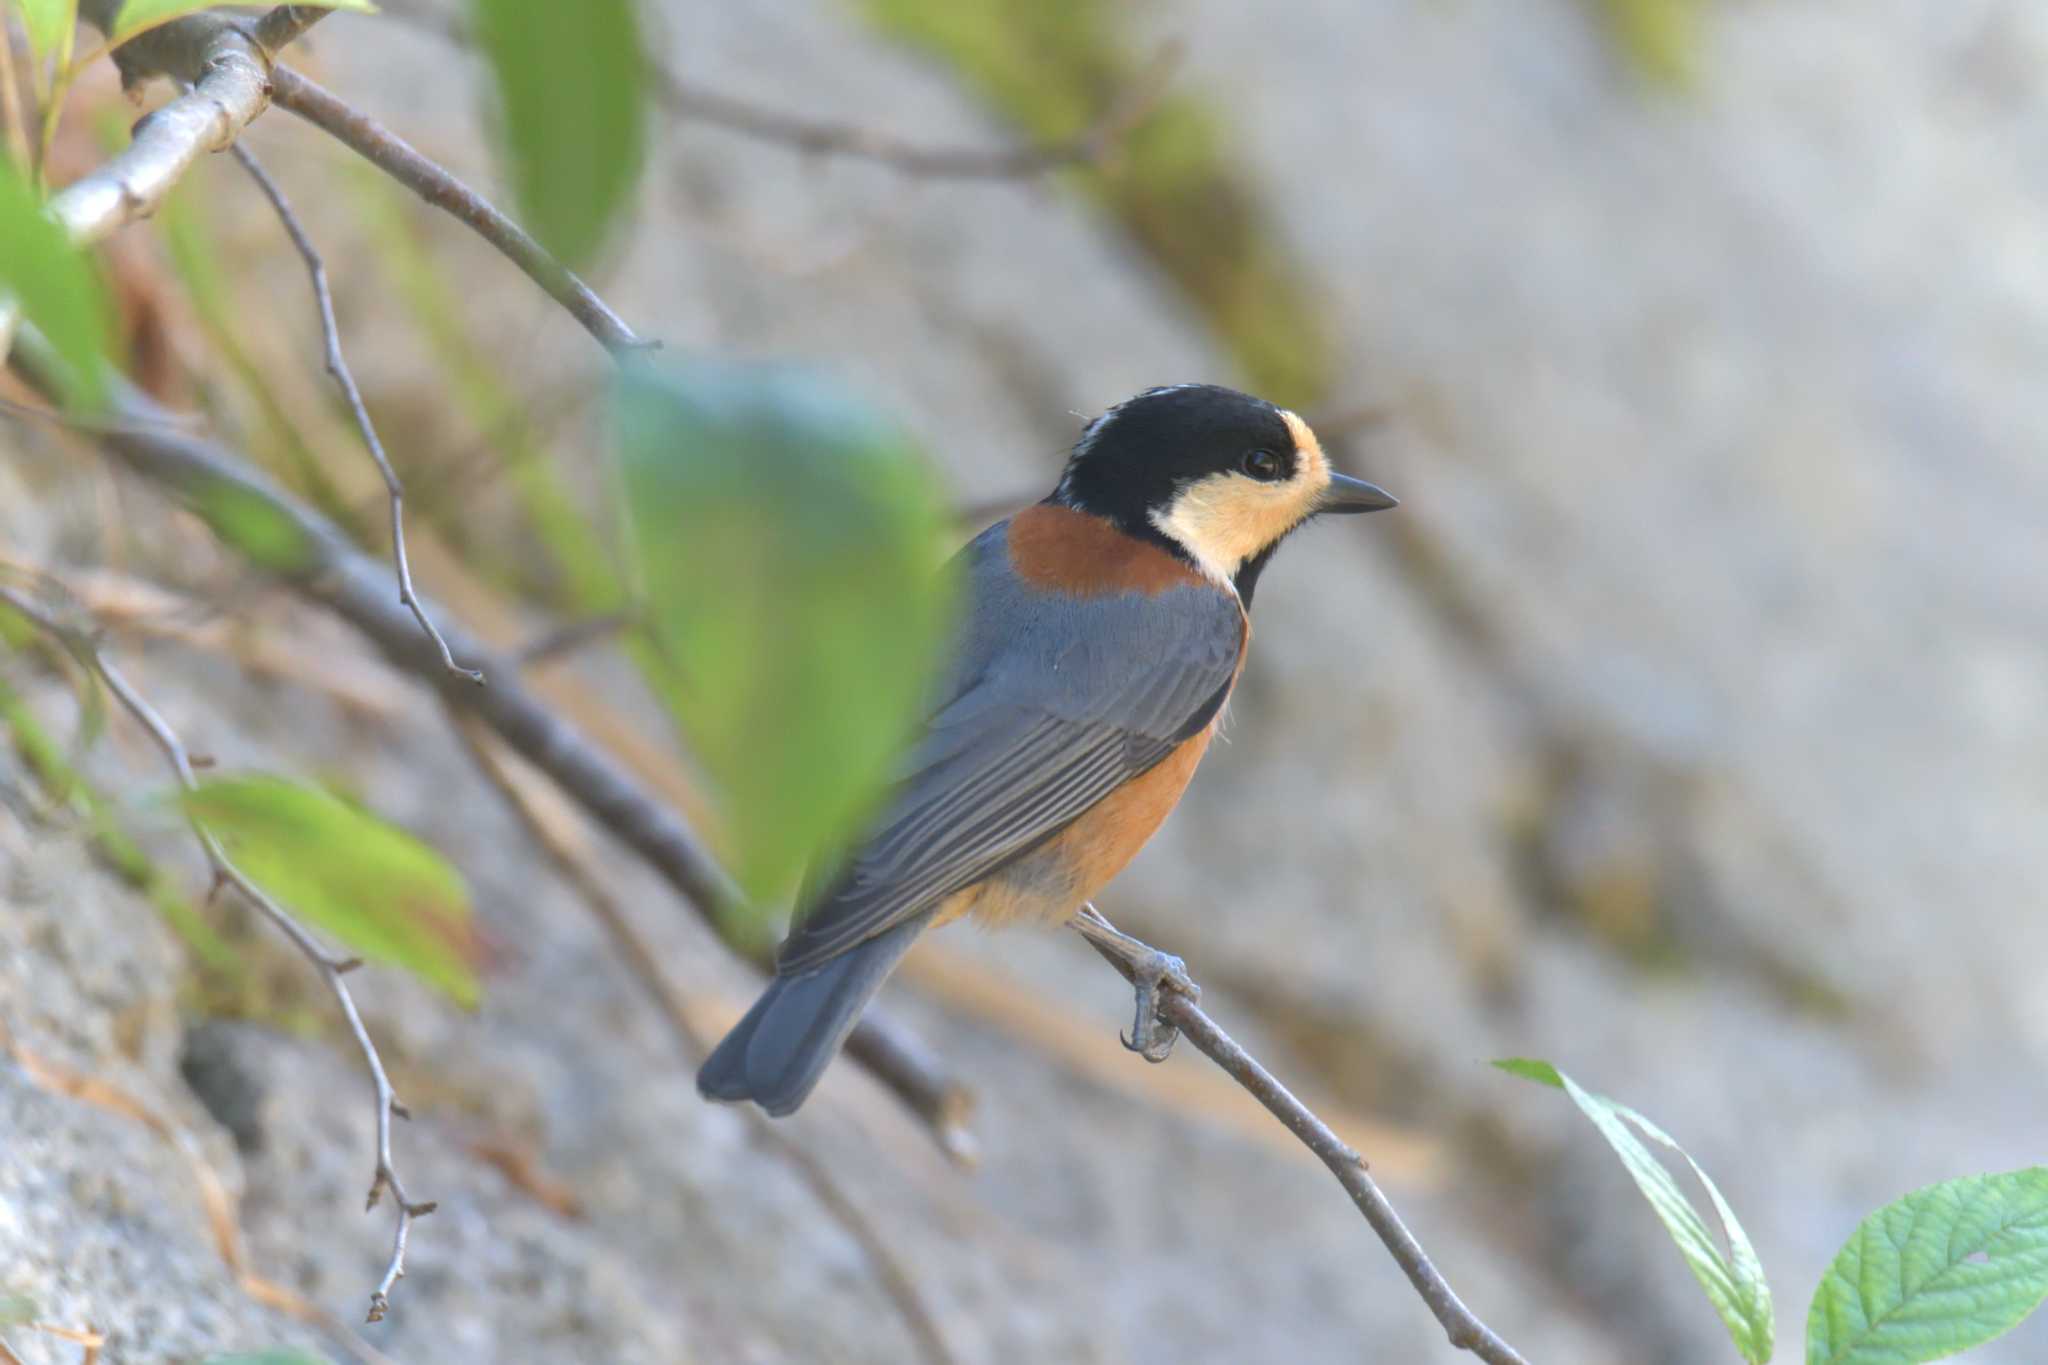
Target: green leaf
{"x": 569, "y": 80}
{"x": 1661, "y": 37}
{"x": 55, "y": 284}
{"x": 792, "y": 549}
{"x": 1734, "y": 1282}
{"x": 271, "y": 1357}
{"x": 16, "y": 1309}
{"x": 1944, "y": 1269}
{"x": 47, "y": 23}
{"x": 343, "y": 871}
{"x": 253, "y": 525}
{"x": 140, "y": 16}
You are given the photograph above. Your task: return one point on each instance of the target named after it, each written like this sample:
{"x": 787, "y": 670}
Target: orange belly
{"x": 1053, "y": 880}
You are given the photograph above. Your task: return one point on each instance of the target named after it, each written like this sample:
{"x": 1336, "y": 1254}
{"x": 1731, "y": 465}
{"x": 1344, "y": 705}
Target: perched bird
{"x": 1104, "y": 630}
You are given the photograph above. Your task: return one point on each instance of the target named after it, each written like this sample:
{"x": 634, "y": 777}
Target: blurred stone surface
{"x": 1687, "y": 725}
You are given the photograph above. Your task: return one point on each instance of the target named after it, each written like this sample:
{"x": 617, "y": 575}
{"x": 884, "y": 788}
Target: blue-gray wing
{"x": 1053, "y": 702}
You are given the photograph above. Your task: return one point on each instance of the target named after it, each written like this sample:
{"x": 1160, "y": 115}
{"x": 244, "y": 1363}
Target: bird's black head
{"x": 1216, "y": 476}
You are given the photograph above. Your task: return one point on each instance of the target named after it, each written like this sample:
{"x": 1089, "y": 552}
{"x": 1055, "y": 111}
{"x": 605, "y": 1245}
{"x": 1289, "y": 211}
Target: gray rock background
{"x": 1688, "y": 725}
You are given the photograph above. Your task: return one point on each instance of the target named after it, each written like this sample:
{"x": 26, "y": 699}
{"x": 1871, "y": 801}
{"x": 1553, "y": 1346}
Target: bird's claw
{"x": 1152, "y": 1037}
{"x": 1152, "y": 971}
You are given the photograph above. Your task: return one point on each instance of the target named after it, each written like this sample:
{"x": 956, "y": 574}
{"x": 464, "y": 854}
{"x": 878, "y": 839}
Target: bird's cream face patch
{"x": 1225, "y": 519}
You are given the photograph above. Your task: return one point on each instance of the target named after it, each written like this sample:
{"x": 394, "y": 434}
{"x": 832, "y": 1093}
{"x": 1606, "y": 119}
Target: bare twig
{"x": 330, "y": 572}
{"x": 397, "y": 158}
{"x": 337, "y": 367}
{"x": 332, "y": 969}
{"x": 572, "y": 636}
{"x": 823, "y": 137}
{"x": 1182, "y": 1012}
{"x": 215, "y": 1202}
{"x": 826, "y": 137}
{"x": 573, "y": 859}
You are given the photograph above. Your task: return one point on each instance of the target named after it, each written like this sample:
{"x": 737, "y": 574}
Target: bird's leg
{"x": 1150, "y": 970}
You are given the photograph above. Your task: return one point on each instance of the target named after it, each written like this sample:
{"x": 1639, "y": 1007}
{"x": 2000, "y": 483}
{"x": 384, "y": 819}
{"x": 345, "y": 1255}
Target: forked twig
{"x": 333, "y": 970}
{"x": 337, "y": 367}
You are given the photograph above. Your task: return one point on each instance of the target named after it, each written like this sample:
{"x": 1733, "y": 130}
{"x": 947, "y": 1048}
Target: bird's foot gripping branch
{"x": 1151, "y": 972}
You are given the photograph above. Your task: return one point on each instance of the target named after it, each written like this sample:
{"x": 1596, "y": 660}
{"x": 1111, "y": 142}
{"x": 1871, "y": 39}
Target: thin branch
{"x": 1182, "y": 1012}
{"x": 397, "y": 158}
{"x": 337, "y": 367}
{"x": 823, "y": 137}
{"x": 331, "y": 573}
{"x": 572, "y": 636}
{"x": 332, "y": 969}
{"x": 574, "y": 862}
{"x": 827, "y": 137}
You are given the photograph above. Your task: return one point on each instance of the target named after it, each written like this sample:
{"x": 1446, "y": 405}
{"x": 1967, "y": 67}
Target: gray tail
{"x": 775, "y": 1054}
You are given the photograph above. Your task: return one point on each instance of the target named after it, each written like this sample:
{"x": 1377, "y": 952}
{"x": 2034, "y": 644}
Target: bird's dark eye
{"x": 1263, "y": 465}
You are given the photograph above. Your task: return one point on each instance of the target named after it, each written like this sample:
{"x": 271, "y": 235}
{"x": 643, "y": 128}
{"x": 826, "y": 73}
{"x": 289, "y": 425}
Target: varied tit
{"x": 1104, "y": 630}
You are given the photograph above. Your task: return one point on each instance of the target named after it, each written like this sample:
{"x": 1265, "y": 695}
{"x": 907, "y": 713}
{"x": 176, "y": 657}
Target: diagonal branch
{"x": 1180, "y": 1011}
{"x": 826, "y": 137}
{"x": 397, "y": 158}
{"x": 333, "y": 970}
{"x": 337, "y": 366}
{"x": 822, "y": 137}
{"x": 573, "y": 859}
{"x": 325, "y": 568}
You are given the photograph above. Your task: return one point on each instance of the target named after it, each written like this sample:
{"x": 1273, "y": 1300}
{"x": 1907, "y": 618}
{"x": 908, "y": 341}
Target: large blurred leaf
{"x": 1944, "y": 1269}
{"x": 570, "y": 80}
{"x": 47, "y": 23}
{"x": 1734, "y": 1282}
{"x": 140, "y": 16}
{"x": 791, "y": 547}
{"x": 270, "y": 1357}
{"x": 374, "y": 887}
{"x": 54, "y": 284}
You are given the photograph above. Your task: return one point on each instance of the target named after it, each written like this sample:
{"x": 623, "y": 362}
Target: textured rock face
{"x": 1687, "y": 725}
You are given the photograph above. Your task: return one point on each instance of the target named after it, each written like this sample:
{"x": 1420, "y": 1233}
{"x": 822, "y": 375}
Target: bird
{"x": 1103, "y": 632}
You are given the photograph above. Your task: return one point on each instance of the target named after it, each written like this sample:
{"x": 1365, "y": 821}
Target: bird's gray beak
{"x": 1346, "y": 494}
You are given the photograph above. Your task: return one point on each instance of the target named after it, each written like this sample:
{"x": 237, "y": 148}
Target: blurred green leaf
{"x": 272, "y": 1357}
{"x": 1661, "y": 37}
{"x": 252, "y": 525}
{"x": 140, "y": 16}
{"x": 792, "y": 548}
{"x": 1734, "y": 1282}
{"x": 55, "y": 285}
{"x": 47, "y": 23}
{"x": 16, "y": 1309}
{"x": 369, "y": 884}
{"x": 1944, "y": 1269}
{"x": 570, "y": 91}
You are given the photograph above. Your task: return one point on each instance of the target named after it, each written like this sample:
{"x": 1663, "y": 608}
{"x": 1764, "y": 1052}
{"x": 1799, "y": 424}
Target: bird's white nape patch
{"x": 1225, "y": 519}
